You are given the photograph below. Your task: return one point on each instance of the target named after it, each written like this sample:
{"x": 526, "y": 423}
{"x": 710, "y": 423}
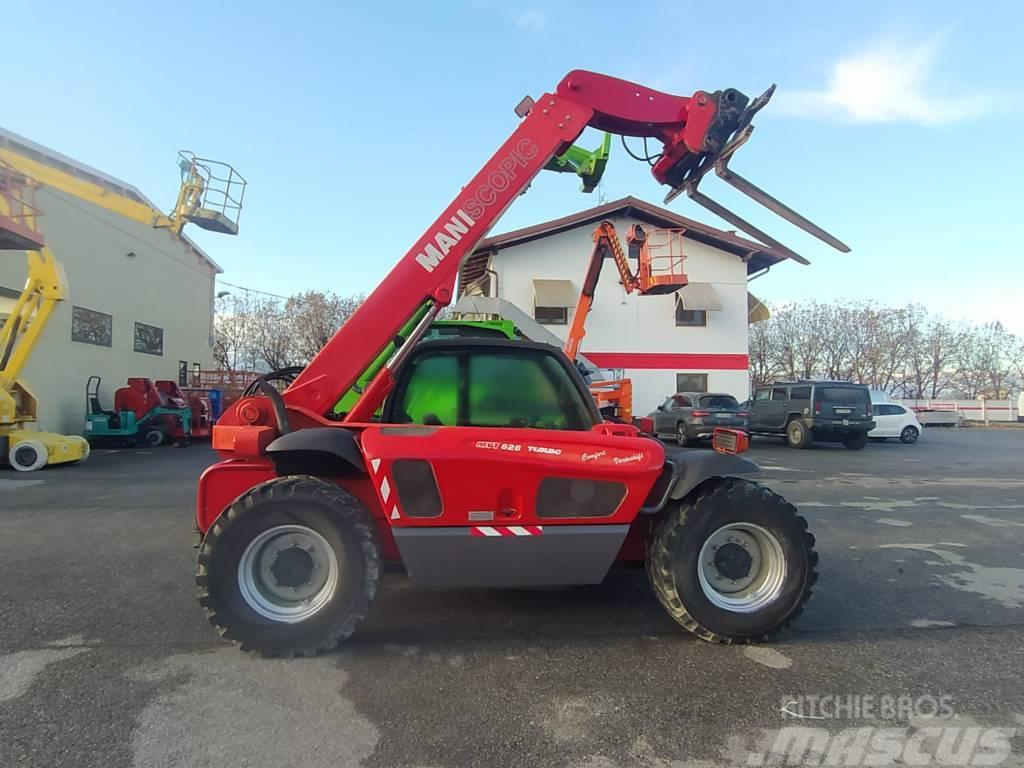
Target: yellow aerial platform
{"x": 21, "y": 446}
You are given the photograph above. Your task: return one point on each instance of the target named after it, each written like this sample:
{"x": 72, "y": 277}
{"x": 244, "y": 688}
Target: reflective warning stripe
{"x": 506, "y": 530}
{"x": 385, "y": 489}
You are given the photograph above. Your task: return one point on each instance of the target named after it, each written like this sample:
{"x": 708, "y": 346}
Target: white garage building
{"x": 691, "y": 341}
{"x": 140, "y": 298}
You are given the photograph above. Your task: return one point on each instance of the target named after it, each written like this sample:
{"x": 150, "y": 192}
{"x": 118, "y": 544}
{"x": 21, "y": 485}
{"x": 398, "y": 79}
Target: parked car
{"x": 805, "y": 411}
{"x": 692, "y": 416}
{"x": 892, "y": 420}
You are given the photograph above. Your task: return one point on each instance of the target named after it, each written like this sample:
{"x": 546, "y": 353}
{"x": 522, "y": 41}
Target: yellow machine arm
{"x": 46, "y": 285}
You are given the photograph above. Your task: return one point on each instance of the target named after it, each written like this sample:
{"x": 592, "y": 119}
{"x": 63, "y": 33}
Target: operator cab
{"x": 476, "y": 382}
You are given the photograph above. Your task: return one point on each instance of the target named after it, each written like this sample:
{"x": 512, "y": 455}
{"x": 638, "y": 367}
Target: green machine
{"x": 141, "y": 414}
{"x": 439, "y": 329}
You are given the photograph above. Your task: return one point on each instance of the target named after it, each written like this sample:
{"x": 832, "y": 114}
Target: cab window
{"x": 499, "y": 388}
{"x": 762, "y": 394}
{"x": 431, "y": 392}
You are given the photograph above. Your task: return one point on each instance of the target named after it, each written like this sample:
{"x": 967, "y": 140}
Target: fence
{"x": 971, "y": 410}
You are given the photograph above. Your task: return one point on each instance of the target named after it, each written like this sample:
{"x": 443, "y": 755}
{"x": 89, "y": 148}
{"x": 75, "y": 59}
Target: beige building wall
{"x": 125, "y": 269}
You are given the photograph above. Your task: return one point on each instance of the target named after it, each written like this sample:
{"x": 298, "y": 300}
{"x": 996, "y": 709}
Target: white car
{"x": 893, "y": 420}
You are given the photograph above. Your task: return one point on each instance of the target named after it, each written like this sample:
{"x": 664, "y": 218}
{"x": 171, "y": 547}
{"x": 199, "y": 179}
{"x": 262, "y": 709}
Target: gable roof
{"x": 758, "y": 256}
{"x": 44, "y": 155}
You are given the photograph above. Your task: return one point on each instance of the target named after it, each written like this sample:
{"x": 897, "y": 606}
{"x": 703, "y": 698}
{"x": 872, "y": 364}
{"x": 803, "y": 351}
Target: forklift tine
{"x": 754, "y": 107}
{"x": 741, "y": 223}
{"x": 754, "y": 192}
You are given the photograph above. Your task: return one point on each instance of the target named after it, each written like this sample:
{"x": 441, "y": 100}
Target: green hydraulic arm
{"x": 585, "y": 163}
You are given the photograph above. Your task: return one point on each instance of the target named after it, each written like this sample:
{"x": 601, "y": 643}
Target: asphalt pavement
{"x": 106, "y": 659}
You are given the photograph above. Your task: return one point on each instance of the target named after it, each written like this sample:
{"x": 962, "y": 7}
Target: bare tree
{"x": 763, "y": 367}
{"x": 315, "y": 317}
{"x": 272, "y": 335}
{"x": 890, "y": 348}
{"x": 253, "y": 332}
{"x": 232, "y": 326}
{"x": 985, "y": 367}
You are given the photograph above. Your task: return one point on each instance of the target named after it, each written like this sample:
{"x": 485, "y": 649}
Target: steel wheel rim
{"x": 794, "y": 431}
{"x": 767, "y": 573}
{"x": 264, "y": 561}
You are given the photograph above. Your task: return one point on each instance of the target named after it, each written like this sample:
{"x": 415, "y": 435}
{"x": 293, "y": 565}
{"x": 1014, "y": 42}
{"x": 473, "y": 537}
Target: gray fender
{"x": 320, "y": 451}
{"x": 687, "y": 469}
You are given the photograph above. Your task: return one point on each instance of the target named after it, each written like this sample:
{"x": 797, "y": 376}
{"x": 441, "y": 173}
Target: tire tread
{"x": 348, "y": 509}
{"x": 659, "y": 563}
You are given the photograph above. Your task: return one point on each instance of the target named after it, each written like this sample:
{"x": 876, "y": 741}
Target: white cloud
{"x": 531, "y": 19}
{"x": 887, "y": 83}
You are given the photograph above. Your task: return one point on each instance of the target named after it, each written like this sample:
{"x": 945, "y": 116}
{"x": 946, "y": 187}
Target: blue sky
{"x": 896, "y": 125}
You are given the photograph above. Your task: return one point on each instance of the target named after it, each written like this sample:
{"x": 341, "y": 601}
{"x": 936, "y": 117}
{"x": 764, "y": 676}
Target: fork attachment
{"x": 728, "y": 132}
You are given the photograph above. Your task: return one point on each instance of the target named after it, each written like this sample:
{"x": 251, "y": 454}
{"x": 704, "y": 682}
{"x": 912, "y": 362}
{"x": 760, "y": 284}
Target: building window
{"x": 691, "y": 382}
{"x": 149, "y": 339}
{"x": 690, "y": 317}
{"x": 183, "y": 373}
{"x": 551, "y": 315}
{"x": 91, "y": 327}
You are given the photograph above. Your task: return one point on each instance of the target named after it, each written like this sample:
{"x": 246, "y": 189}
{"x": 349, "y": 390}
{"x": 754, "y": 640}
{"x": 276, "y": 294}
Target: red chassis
{"x": 301, "y": 496}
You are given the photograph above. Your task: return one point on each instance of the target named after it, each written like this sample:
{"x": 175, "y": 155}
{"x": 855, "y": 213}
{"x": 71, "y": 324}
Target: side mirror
{"x": 661, "y": 407}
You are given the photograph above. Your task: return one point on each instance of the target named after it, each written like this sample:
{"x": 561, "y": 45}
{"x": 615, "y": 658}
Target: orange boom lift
{"x": 660, "y": 256}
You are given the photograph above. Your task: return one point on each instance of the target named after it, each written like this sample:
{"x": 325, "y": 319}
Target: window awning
{"x": 756, "y": 309}
{"x": 553, "y": 293}
{"x": 699, "y": 296}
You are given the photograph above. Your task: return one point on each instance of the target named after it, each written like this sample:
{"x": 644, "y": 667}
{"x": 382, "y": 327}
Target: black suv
{"x": 805, "y": 411}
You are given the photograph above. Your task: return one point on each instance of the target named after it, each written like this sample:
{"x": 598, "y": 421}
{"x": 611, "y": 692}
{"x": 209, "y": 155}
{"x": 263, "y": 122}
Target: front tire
{"x": 290, "y": 568}
{"x": 909, "y": 435}
{"x": 734, "y": 563}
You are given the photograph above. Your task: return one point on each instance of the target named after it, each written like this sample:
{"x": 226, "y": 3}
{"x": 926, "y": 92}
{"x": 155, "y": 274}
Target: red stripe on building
{"x": 661, "y": 361}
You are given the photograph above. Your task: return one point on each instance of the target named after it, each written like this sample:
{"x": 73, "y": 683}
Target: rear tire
{"x": 682, "y": 438}
{"x": 290, "y": 568}
{"x": 154, "y": 437}
{"x": 909, "y": 435}
{"x": 798, "y": 435}
{"x": 856, "y": 441}
{"x": 744, "y": 520}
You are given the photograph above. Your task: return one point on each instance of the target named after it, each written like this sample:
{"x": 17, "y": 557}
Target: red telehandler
{"x": 489, "y": 464}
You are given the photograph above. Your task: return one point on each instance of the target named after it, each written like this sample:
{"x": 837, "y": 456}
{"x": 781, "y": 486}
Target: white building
{"x": 140, "y": 298}
{"x": 691, "y": 341}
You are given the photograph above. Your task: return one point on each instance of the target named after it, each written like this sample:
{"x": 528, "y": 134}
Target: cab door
{"x": 760, "y": 409}
{"x": 494, "y": 469}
